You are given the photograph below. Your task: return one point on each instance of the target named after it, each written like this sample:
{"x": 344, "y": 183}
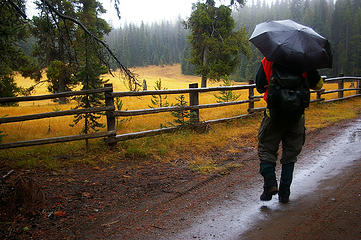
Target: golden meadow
{"x": 165, "y": 147}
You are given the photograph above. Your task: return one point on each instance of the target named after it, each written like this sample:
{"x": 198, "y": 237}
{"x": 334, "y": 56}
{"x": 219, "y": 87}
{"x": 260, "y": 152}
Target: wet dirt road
{"x": 325, "y": 199}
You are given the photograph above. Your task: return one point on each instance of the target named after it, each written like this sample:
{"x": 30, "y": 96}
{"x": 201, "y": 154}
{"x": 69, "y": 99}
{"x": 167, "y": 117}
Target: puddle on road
{"x": 232, "y": 218}
{"x": 356, "y": 135}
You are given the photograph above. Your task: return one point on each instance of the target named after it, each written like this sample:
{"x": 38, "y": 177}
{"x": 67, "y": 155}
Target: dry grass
{"x": 188, "y": 146}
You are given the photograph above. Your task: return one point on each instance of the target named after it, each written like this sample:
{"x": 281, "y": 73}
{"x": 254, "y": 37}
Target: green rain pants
{"x": 271, "y": 134}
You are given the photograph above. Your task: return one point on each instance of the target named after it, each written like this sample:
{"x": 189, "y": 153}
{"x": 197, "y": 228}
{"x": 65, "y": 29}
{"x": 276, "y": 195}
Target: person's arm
{"x": 314, "y": 80}
{"x": 261, "y": 80}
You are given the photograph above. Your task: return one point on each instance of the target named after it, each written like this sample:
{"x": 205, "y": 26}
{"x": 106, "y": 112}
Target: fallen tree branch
{"x": 7, "y": 175}
{"x": 111, "y": 223}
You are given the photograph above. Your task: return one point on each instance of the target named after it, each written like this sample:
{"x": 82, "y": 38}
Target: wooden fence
{"x": 194, "y": 106}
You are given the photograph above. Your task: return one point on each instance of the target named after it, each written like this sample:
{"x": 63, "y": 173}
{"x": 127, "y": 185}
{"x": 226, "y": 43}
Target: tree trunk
{"x": 204, "y": 81}
{"x": 205, "y": 62}
{"x": 62, "y": 79}
{"x": 62, "y": 100}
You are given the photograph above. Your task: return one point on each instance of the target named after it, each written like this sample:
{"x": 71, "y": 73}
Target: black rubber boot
{"x": 285, "y": 182}
{"x": 268, "y": 193}
{"x": 267, "y": 170}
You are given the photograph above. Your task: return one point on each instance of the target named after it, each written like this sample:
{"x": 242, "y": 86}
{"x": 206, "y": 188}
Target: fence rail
{"x": 194, "y": 106}
{"x": 56, "y": 140}
{"x": 181, "y": 91}
{"x": 55, "y": 95}
{"x": 54, "y": 114}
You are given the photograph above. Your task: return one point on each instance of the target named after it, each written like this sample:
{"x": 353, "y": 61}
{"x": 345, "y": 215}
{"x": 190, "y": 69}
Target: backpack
{"x": 288, "y": 95}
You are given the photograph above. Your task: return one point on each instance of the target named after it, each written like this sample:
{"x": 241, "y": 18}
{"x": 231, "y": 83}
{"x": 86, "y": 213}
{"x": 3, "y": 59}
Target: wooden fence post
{"x": 109, "y": 102}
{"x": 251, "y": 97}
{"x": 358, "y": 86}
{"x": 340, "y": 86}
{"x": 193, "y": 101}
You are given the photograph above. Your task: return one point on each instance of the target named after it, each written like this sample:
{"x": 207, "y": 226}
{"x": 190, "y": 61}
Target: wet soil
{"x": 153, "y": 200}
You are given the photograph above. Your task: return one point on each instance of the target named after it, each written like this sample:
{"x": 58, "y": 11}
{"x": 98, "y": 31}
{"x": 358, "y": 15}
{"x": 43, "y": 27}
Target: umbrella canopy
{"x": 292, "y": 44}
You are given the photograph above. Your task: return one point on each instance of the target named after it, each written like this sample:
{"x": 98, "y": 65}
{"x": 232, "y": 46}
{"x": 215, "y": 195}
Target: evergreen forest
{"x": 167, "y": 42}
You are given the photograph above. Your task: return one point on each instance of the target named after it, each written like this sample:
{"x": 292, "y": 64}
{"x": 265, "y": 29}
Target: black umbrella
{"x": 292, "y": 44}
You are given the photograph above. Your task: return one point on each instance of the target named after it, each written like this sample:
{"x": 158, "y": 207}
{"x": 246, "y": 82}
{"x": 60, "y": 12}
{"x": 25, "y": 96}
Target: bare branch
{"x": 116, "y": 6}
{"x": 17, "y": 9}
{"x": 133, "y": 83}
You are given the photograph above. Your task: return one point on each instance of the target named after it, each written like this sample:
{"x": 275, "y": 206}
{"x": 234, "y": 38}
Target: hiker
{"x": 291, "y": 51}
{"x": 285, "y": 125}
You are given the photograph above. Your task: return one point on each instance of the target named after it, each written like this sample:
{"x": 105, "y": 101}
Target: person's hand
{"x": 319, "y": 85}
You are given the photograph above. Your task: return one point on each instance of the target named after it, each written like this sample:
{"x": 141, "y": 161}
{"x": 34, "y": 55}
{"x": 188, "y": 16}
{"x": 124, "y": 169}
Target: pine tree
{"x": 91, "y": 66}
{"x": 216, "y": 47}
{"x": 159, "y": 100}
{"x": 186, "y": 66}
{"x": 182, "y": 117}
{"x": 12, "y": 31}
{"x": 60, "y": 78}
{"x": 53, "y": 47}
{"x": 226, "y": 95}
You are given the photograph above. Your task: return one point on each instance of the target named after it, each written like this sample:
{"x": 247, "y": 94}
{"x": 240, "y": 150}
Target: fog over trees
{"x": 166, "y": 42}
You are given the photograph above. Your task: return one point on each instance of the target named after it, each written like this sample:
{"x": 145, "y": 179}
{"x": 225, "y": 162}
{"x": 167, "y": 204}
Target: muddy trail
{"x": 325, "y": 199}
{"x": 169, "y": 201}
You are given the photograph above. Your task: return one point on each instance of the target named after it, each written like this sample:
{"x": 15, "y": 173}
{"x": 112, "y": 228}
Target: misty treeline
{"x": 339, "y": 22}
{"x": 166, "y": 42}
{"x": 149, "y": 44}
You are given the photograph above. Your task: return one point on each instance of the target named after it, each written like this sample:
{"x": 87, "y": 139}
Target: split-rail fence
{"x": 194, "y": 106}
